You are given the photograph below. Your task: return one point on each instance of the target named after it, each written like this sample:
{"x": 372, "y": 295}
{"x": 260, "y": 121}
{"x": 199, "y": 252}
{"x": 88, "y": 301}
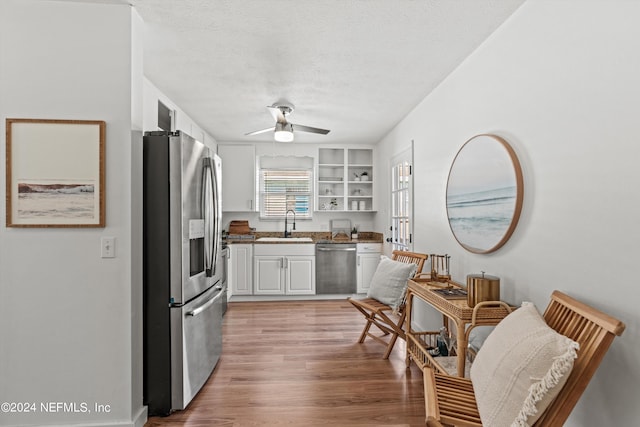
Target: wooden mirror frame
{"x": 484, "y": 164}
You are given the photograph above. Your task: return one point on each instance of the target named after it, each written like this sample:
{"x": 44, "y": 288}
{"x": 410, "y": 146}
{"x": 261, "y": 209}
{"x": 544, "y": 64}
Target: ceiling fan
{"x": 283, "y": 129}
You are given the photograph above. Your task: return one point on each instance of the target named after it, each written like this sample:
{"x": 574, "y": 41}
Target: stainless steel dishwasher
{"x": 335, "y": 268}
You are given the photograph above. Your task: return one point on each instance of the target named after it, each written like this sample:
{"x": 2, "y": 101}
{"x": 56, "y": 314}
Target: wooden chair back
{"x": 594, "y": 331}
{"x": 410, "y": 258}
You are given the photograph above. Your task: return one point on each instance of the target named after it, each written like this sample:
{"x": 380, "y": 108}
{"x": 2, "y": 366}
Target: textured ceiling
{"x": 353, "y": 66}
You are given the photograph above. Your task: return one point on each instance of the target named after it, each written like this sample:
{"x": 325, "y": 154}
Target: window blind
{"x": 284, "y": 189}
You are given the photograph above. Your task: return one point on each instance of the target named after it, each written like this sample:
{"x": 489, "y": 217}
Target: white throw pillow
{"x": 520, "y": 369}
{"x": 389, "y": 282}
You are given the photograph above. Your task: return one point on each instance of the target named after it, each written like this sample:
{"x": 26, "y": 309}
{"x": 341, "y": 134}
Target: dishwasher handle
{"x": 336, "y": 249}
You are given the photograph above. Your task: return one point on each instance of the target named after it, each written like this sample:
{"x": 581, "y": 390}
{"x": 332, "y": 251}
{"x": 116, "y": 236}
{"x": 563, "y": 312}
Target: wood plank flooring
{"x": 298, "y": 363}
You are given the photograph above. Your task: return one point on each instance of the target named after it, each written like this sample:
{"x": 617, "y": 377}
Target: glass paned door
{"x": 401, "y": 201}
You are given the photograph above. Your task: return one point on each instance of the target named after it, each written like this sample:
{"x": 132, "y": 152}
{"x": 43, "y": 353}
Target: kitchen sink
{"x": 285, "y": 239}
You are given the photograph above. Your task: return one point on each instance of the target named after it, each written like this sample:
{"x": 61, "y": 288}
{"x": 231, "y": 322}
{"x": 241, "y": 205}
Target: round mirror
{"x": 484, "y": 194}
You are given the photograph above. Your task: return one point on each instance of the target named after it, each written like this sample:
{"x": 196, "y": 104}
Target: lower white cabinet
{"x": 367, "y": 261}
{"x": 300, "y": 275}
{"x": 285, "y": 269}
{"x": 240, "y": 274}
{"x": 269, "y": 275}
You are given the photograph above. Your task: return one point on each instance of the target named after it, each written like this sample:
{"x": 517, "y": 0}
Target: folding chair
{"x": 382, "y": 315}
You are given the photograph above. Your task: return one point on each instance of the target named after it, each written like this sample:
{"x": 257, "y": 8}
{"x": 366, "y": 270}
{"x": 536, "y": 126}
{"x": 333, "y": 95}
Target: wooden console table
{"x": 456, "y": 310}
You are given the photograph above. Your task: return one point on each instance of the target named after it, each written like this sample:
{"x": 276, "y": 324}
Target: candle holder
{"x": 440, "y": 267}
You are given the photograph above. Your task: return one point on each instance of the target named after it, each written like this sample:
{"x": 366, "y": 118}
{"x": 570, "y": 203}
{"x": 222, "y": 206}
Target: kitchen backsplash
{"x": 362, "y": 221}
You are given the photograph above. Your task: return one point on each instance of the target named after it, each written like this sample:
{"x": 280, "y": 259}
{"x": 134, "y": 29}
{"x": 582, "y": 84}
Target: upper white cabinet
{"x": 345, "y": 179}
{"x": 238, "y": 177}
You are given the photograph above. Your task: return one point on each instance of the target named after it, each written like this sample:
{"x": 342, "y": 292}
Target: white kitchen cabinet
{"x": 368, "y": 257}
{"x": 269, "y": 275}
{"x": 345, "y": 179}
{"x": 300, "y": 275}
{"x": 240, "y": 275}
{"x": 285, "y": 269}
{"x": 238, "y": 177}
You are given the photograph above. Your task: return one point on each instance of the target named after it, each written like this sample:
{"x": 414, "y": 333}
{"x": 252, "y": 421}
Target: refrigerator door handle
{"x": 204, "y": 305}
{"x": 207, "y": 210}
{"x": 217, "y": 212}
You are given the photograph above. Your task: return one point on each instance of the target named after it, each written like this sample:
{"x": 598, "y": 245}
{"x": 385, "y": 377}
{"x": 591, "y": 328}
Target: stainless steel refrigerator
{"x": 182, "y": 269}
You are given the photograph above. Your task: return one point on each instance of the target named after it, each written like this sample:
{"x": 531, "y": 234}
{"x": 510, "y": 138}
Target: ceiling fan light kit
{"x": 283, "y": 130}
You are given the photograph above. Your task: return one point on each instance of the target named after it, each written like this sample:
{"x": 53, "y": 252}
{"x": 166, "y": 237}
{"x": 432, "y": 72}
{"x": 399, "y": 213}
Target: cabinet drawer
{"x": 364, "y": 248}
{"x": 284, "y": 249}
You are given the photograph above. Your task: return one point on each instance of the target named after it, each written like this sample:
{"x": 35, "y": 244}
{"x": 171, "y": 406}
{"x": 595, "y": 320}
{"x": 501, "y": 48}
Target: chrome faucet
{"x": 288, "y": 233}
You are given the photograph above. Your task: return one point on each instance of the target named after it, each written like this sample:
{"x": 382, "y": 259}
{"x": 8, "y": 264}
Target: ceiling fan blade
{"x": 303, "y": 128}
{"x": 257, "y": 132}
{"x": 277, "y": 114}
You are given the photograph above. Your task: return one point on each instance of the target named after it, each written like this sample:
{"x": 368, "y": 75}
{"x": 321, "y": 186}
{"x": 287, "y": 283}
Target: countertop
{"x": 316, "y": 236}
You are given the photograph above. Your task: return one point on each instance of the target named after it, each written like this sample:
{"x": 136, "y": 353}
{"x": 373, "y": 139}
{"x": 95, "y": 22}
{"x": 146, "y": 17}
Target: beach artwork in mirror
{"x": 484, "y": 194}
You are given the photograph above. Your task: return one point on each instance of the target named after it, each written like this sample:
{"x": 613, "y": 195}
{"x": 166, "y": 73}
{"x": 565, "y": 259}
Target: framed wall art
{"x": 484, "y": 193}
{"x": 55, "y": 173}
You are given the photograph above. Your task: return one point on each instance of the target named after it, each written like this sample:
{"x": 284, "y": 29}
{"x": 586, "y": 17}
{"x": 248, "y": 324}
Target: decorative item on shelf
{"x": 481, "y": 287}
{"x": 364, "y": 176}
{"x": 362, "y": 206}
{"x": 354, "y": 233}
{"x": 354, "y": 205}
{"x": 328, "y": 192}
{"x": 357, "y": 192}
{"x": 440, "y": 267}
{"x": 446, "y": 342}
{"x": 333, "y": 204}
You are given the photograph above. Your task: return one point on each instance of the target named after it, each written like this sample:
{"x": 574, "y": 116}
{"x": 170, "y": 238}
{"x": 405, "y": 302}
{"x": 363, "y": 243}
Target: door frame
{"x": 405, "y": 155}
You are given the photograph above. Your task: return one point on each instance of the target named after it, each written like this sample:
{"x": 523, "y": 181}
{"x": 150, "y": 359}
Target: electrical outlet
{"x": 108, "y": 247}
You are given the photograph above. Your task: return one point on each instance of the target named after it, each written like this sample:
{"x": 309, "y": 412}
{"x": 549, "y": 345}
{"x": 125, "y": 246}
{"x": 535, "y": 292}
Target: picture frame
{"x": 55, "y": 173}
{"x": 484, "y": 194}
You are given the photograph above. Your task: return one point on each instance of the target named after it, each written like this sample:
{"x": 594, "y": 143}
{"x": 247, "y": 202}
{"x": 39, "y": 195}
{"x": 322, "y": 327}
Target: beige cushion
{"x": 389, "y": 282}
{"x": 520, "y": 368}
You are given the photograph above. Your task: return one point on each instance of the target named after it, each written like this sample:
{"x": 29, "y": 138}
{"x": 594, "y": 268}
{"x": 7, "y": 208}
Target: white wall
{"x": 72, "y": 320}
{"x": 559, "y": 81}
{"x": 70, "y": 324}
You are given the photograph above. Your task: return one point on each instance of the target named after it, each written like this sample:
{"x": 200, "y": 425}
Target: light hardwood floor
{"x": 298, "y": 363}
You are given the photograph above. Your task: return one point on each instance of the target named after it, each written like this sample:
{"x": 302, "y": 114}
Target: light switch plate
{"x": 108, "y": 247}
